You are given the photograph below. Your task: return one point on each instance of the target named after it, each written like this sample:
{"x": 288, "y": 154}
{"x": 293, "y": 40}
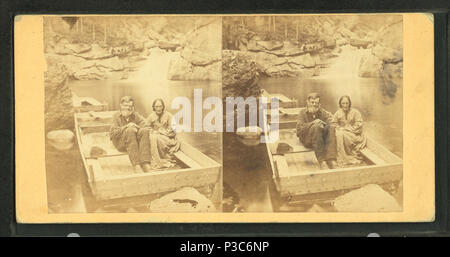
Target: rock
{"x": 61, "y": 139}
{"x": 250, "y": 132}
{"x": 388, "y": 43}
{"x": 348, "y": 34}
{"x": 240, "y": 75}
{"x": 186, "y": 199}
{"x": 166, "y": 45}
{"x": 253, "y": 46}
{"x": 359, "y": 43}
{"x": 201, "y": 55}
{"x": 341, "y": 41}
{"x": 198, "y": 57}
{"x": 92, "y": 73}
{"x": 263, "y": 60}
{"x": 96, "y": 52}
{"x": 270, "y": 45}
{"x": 290, "y": 49}
{"x": 305, "y": 61}
{"x": 58, "y": 108}
{"x": 388, "y": 54}
{"x": 150, "y": 44}
{"x": 181, "y": 69}
{"x": 328, "y": 28}
{"x": 316, "y": 208}
{"x": 370, "y": 66}
{"x": 370, "y": 198}
{"x": 78, "y": 48}
{"x": 393, "y": 70}
{"x": 71, "y": 63}
{"x": 280, "y": 52}
{"x": 113, "y": 64}
{"x": 391, "y": 36}
{"x": 329, "y": 42}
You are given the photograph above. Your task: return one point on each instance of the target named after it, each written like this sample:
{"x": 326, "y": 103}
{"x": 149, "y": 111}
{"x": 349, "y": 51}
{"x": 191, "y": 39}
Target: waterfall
{"x": 154, "y": 68}
{"x": 346, "y": 65}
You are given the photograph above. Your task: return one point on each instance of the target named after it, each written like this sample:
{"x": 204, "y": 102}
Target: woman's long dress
{"x": 163, "y": 141}
{"x": 349, "y": 136}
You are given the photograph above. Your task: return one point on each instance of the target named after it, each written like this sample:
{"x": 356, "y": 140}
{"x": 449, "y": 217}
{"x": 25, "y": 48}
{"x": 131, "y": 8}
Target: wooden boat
{"x": 296, "y": 170}
{"x": 111, "y": 176}
{"x": 84, "y": 104}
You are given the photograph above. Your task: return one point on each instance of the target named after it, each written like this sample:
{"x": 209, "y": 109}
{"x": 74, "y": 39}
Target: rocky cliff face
{"x": 321, "y": 40}
{"x": 58, "y": 110}
{"x": 199, "y": 57}
{"x": 386, "y": 56}
{"x": 95, "y": 48}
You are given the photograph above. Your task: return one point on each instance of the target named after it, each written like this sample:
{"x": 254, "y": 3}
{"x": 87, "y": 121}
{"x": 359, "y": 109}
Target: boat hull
{"x": 110, "y": 175}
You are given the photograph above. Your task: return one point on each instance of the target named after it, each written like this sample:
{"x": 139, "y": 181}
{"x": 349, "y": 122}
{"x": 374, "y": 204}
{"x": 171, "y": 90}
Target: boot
{"x": 332, "y": 164}
{"x": 146, "y": 167}
{"x": 137, "y": 169}
{"x": 323, "y": 165}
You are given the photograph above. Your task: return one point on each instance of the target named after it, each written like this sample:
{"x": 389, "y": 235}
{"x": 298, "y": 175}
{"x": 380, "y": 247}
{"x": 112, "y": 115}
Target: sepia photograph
{"x": 229, "y": 118}
{"x": 112, "y": 87}
{"x": 338, "y": 122}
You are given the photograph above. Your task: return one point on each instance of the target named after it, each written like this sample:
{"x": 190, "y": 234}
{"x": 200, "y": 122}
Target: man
{"x": 129, "y": 135}
{"x": 315, "y": 130}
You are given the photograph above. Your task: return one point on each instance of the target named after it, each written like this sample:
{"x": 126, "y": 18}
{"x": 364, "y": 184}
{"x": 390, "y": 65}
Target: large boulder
{"x": 388, "y": 44}
{"x": 186, "y": 199}
{"x": 96, "y": 52}
{"x": 240, "y": 75}
{"x": 78, "y": 48}
{"x": 305, "y": 61}
{"x": 370, "y": 198}
{"x": 92, "y": 73}
{"x": 253, "y": 46}
{"x": 167, "y": 45}
{"x": 200, "y": 58}
{"x": 112, "y": 64}
{"x": 182, "y": 69}
{"x": 391, "y": 35}
{"x": 370, "y": 66}
{"x": 386, "y": 57}
{"x": 71, "y": 63}
{"x": 290, "y": 49}
{"x": 58, "y": 108}
{"x": 263, "y": 60}
{"x": 388, "y": 54}
{"x": 393, "y": 70}
{"x": 270, "y": 45}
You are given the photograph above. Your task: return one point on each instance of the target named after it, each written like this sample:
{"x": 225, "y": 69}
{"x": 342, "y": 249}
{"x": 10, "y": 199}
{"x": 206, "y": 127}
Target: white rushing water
{"x": 346, "y": 65}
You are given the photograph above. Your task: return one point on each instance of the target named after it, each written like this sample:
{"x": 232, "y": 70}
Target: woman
{"x": 163, "y": 140}
{"x": 349, "y": 137}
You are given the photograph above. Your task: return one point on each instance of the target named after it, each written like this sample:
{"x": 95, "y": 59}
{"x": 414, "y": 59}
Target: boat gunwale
{"x": 356, "y": 168}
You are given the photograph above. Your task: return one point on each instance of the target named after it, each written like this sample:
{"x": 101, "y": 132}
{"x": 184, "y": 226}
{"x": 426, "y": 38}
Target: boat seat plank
{"x": 289, "y": 137}
{"x": 101, "y": 141}
{"x": 115, "y": 166}
{"x": 289, "y": 111}
{"x": 372, "y": 156}
{"x": 186, "y": 160}
{"x": 282, "y": 98}
{"x": 305, "y": 161}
